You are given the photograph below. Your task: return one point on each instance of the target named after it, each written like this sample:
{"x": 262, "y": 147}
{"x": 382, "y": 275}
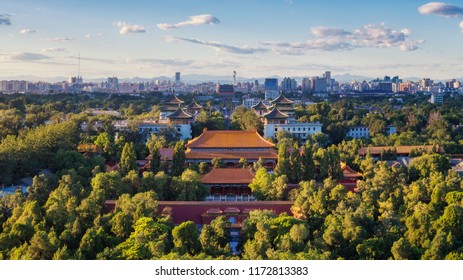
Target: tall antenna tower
{"x": 234, "y": 78}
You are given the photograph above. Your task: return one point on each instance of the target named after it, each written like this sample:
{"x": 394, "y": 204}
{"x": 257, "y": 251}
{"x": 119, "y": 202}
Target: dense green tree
{"x": 110, "y": 183}
{"x": 106, "y": 142}
{"x": 186, "y": 239}
{"x": 188, "y": 187}
{"x": 376, "y": 123}
{"x": 437, "y": 129}
{"x": 329, "y": 163}
{"x": 283, "y": 162}
{"x": 296, "y": 166}
{"x": 128, "y": 159}
{"x": 244, "y": 119}
{"x": 40, "y": 189}
{"x": 155, "y": 160}
{"x": 93, "y": 242}
{"x": 261, "y": 183}
{"x": 214, "y": 238}
{"x": 402, "y": 249}
{"x": 307, "y": 162}
{"x": 424, "y": 165}
{"x": 149, "y": 240}
{"x": 178, "y": 162}
{"x": 34, "y": 149}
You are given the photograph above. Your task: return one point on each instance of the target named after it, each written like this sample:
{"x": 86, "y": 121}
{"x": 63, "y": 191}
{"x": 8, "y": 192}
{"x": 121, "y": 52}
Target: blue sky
{"x": 256, "y": 38}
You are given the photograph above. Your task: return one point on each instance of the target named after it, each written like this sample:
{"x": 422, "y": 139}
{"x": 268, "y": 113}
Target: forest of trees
{"x": 398, "y": 213}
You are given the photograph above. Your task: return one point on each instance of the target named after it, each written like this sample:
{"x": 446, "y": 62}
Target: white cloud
{"x": 406, "y": 31}
{"x": 159, "y": 61}
{"x": 48, "y": 50}
{"x": 26, "y": 31}
{"x": 64, "y": 39}
{"x": 461, "y": 26}
{"x": 337, "y": 39}
{"x": 23, "y": 56}
{"x": 194, "y": 20}
{"x": 125, "y": 28}
{"x": 219, "y": 46}
{"x": 327, "y": 31}
{"x": 5, "y": 19}
{"x": 93, "y": 35}
{"x": 440, "y": 9}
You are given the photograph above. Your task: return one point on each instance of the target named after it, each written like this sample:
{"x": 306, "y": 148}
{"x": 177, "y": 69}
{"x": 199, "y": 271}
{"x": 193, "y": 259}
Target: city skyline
{"x": 254, "y": 38}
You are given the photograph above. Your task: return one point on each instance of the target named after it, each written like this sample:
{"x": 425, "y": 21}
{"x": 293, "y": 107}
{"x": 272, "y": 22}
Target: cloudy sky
{"x": 257, "y": 38}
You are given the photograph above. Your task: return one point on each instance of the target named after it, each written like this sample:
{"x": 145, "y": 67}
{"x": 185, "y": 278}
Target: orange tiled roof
{"x": 228, "y": 176}
{"x": 175, "y": 100}
{"x": 179, "y": 114}
{"x": 348, "y": 172}
{"x": 194, "y": 105}
{"x": 400, "y": 149}
{"x": 281, "y": 99}
{"x": 230, "y": 155}
{"x": 166, "y": 153}
{"x": 229, "y": 139}
{"x": 260, "y": 105}
{"x": 275, "y": 113}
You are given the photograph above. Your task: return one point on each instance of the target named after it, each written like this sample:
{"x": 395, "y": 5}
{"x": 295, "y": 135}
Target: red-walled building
{"x": 203, "y": 212}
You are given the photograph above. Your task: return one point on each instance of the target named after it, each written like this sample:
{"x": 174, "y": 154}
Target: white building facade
{"x": 297, "y": 130}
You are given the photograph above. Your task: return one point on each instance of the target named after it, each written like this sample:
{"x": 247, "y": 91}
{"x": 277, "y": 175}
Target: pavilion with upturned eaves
{"x": 230, "y": 146}
{"x": 228, "y": 184}
{"x": 260, "y": 108}
{"x": 284, "y": 105}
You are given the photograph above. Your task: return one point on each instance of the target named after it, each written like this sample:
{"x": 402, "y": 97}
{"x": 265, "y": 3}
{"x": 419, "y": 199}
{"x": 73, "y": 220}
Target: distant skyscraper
{"x": 305, "y": 86}
{"x": 288, "y": 85}
{"x": 318, "y": 84}
{"x": 327, "y": 77}
{"x": 177, "y": 77}
{"x": 271, "y": 88}
{"x": 113, "y": 83}
{"x": 426, "y": 82}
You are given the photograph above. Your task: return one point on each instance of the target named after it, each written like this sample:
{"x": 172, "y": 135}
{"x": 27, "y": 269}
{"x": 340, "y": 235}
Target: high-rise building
{"x": 396, "y": 80}
{"x": 327, "y": 77}
{"x": 305, "y": 86}
{"x": 384, "y": 86}
{"x": 177, "y": 77}
{"x": 426, "y": 82}
{"x": 288, "y": 85}
{"x": 112, "y": 83}
{"x": 318, "y": 84}
{"x": 271, "y": 88}
{"x": 75, "y": 80}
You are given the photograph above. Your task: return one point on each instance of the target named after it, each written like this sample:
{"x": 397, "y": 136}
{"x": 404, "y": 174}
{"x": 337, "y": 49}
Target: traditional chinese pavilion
{"x": 284, "y": 105}
{"x": 173, "y": 104}
{"x": 228, "y": 181}
{"x": 193, "y": 108}
{"x": 260, "y": 108}
{"x": 230, "y": 146}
